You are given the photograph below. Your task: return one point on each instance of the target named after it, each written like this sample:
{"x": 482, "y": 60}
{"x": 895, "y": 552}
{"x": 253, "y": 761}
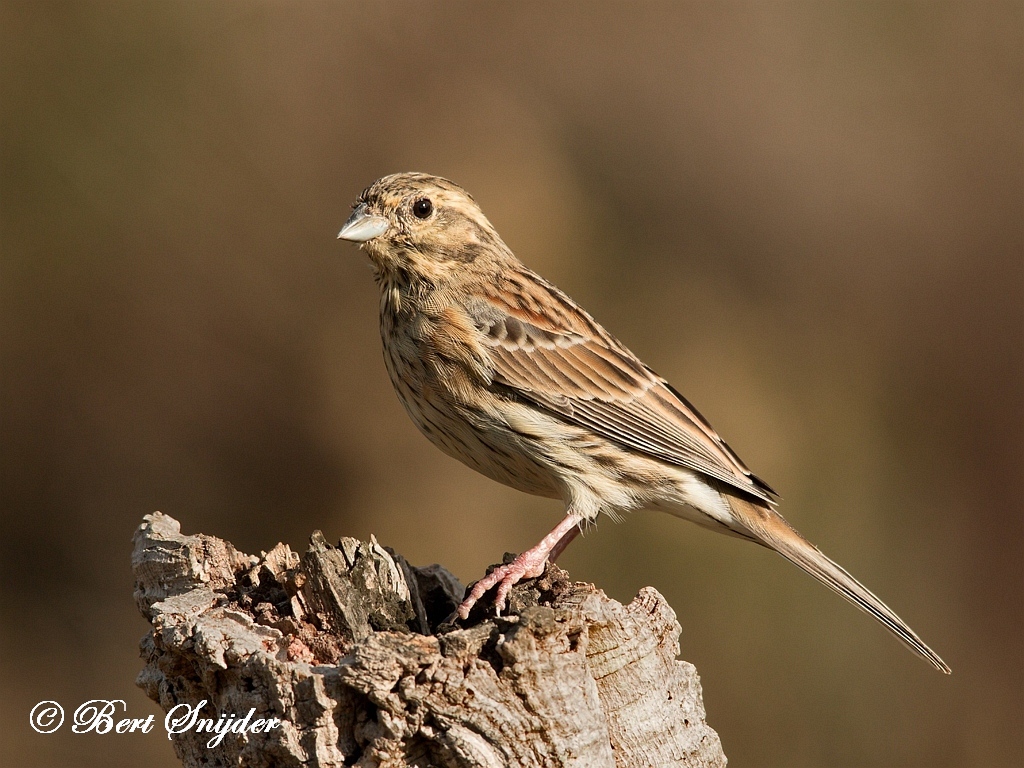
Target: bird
{"x": 503, "y": 371}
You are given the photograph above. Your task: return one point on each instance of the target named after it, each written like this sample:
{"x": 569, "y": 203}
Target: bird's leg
{"x": 528, "y": 565}
{"x": 563, "y": 542}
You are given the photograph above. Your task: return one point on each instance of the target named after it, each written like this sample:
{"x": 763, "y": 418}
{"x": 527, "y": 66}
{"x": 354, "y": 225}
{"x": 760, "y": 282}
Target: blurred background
{"x": 807, "y": 216}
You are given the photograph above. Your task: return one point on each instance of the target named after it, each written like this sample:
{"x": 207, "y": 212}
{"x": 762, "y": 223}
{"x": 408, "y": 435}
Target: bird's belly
{"x": 460, "y": 432}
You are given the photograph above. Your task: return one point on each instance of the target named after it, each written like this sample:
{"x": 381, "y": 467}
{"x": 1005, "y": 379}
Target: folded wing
{"x": 550, "y": 352}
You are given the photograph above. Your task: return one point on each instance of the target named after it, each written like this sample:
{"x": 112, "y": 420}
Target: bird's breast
{"x": 436, "y": 379}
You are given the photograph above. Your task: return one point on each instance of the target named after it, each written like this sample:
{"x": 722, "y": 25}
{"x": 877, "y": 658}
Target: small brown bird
{"x": 504, "y": 372}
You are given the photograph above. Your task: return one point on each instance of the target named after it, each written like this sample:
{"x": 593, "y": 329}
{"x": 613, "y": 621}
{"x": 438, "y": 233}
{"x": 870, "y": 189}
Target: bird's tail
{"x": 772, "y": 530}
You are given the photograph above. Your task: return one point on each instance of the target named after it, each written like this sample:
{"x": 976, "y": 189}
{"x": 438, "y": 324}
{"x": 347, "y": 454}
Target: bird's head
{"x": 421, "y": 226}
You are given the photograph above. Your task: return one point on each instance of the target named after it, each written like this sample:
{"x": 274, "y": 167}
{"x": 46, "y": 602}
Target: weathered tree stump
{"x": 359, "y": 657}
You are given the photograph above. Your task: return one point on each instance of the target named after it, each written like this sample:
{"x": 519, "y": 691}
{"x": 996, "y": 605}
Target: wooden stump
{"x": 359, "y": 657}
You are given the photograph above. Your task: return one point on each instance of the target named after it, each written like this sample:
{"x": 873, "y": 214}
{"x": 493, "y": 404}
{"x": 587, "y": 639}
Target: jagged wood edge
{"x": 333, "y": 645}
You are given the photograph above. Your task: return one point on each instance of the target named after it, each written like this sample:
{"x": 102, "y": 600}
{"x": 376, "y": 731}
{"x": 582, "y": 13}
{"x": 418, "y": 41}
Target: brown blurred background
{"x": 808, "y": 217}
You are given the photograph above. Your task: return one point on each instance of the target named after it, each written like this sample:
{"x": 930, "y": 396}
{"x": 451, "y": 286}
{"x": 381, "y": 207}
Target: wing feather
{"x": 564, "y": 362}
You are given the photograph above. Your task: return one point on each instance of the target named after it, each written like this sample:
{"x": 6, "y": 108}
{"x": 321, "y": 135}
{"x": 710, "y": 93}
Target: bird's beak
{"x": 362, "y": 226}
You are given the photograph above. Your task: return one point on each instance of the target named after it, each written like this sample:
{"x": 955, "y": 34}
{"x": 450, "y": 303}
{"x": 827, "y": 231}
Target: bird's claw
{"x": 526, "y": 566}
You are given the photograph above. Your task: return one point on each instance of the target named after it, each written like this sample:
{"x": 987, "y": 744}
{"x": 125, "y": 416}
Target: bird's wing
{"x": 551, "y": 353}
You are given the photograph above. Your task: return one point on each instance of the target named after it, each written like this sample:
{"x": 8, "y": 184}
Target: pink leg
{"x": 563, "y": 542}
{"x": 528, "y": 565}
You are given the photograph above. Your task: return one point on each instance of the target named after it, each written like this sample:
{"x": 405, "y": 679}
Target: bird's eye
{"x": 422, "y": 208}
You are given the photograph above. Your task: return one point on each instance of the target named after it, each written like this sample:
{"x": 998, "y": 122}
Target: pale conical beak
{"x": 362, "y": 226}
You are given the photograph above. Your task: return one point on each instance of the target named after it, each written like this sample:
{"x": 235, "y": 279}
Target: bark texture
{"x": 360, "y": 657}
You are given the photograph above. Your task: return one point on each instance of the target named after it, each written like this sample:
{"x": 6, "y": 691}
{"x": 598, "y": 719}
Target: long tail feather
{"x": 771, "y": 529}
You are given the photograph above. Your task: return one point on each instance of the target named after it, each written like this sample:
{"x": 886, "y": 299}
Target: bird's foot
{"x": 528, "y": 565}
